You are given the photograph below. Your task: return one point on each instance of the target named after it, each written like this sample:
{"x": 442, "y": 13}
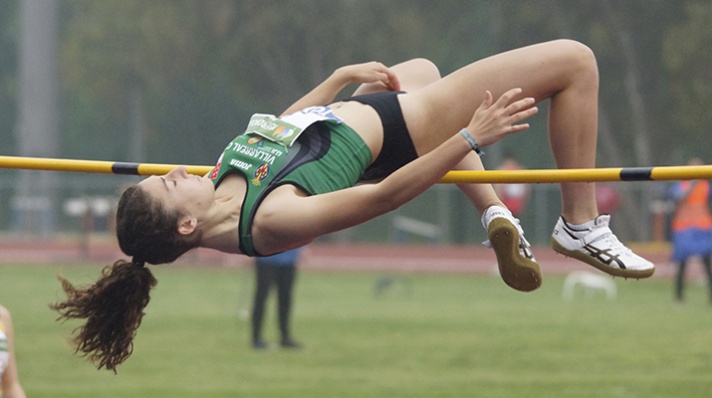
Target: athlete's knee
{"x": 581, "y": 57}
{"x": 581, "y": 68}
{"x": 418, "y": 72}
{"x": 427, "y": 68}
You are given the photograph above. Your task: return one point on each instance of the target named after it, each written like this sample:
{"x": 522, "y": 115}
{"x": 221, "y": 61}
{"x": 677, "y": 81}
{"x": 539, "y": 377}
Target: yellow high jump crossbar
{"x": 657, "y": 173}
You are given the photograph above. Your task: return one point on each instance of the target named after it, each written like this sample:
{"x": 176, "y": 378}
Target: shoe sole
{"x": 518, "y": 272}
{"x": 624, "y": 273}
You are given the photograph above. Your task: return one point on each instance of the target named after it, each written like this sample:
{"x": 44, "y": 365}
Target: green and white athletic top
{"x": 312, "y": 149}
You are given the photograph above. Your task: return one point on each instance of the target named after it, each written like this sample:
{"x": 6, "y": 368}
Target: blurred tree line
{"x": 174, "y": 80}
{"x": 190, "y": 72}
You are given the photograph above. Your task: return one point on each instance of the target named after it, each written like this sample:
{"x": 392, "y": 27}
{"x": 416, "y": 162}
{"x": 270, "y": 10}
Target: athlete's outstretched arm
{"x": 293, "y": 220}
{"x": 325, "y": 92}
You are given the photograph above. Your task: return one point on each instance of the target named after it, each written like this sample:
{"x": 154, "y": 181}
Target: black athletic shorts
{"x": 398, "y": 148}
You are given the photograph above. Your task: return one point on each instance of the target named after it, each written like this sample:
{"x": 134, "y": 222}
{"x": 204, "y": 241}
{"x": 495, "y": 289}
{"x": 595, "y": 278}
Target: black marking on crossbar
{"x": 125, "y": 168}
{"x": 636, "y": 174}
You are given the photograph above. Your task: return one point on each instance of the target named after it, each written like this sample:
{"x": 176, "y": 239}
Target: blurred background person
{"x": 691, "y": 228}
{"x": 514, "y": 196}
{"x": 9, "y": 383}
{"x": 607, "y": 198}
{"x": 280, "y": 271}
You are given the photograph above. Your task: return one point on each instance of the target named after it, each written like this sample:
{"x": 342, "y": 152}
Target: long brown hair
{"x": 113, "y": 309}
{"x": 114, "y": 305}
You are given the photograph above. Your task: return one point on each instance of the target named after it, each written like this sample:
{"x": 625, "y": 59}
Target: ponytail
{"x": 113, "y": 309}
{"x": 113, "y": 306}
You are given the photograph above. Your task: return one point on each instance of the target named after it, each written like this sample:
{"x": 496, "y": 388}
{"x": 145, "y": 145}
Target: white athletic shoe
{"x": 599, "y": 247}
{"x": 515, "y": 259}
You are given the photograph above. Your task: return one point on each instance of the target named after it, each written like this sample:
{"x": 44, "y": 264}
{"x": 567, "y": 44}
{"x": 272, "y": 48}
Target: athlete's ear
{"x": 187, "y": 225}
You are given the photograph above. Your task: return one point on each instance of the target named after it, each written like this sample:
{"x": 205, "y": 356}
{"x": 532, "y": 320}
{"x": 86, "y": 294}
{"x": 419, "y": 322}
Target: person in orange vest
{"x": 691, "y": 228}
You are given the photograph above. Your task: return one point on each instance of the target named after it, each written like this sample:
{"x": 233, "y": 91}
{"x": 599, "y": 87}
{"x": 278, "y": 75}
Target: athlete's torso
{"x": 327, "y": 156}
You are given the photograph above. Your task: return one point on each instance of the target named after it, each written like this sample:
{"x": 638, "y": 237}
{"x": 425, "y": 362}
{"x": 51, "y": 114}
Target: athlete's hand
{"x": 494, "y": 120}
{"x": 371, "y": 72}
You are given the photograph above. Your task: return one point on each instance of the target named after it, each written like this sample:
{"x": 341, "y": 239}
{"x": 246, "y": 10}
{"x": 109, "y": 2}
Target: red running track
{"x": 367, "y": 257}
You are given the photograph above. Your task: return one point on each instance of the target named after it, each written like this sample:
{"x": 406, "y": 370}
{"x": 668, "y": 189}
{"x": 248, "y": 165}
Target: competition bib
{"x": 287, "y": 129}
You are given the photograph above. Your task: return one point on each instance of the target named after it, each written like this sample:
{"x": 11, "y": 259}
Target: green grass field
{"x": 429, "y": 336}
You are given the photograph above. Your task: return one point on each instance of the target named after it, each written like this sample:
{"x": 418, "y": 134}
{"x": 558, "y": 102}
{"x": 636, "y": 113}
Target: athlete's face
{"x": 181, "y": 191}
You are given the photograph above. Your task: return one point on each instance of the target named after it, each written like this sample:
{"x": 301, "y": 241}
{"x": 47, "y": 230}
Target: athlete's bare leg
{"x": 563, "y": 71}
{"x": 514, "y": 257}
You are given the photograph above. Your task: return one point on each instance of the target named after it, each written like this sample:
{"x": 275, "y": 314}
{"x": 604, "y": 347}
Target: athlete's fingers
{"x": 528, "y": 111}
{"x": 516, "y": 128}
{"x": 520, "y": 105}
{"x": 519, "y": 116}
{"x": 505, "y": 99}
{"x": 487, "y": 100}
{"x": 393, "y": 83}
{"x": 387, "y": 76}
